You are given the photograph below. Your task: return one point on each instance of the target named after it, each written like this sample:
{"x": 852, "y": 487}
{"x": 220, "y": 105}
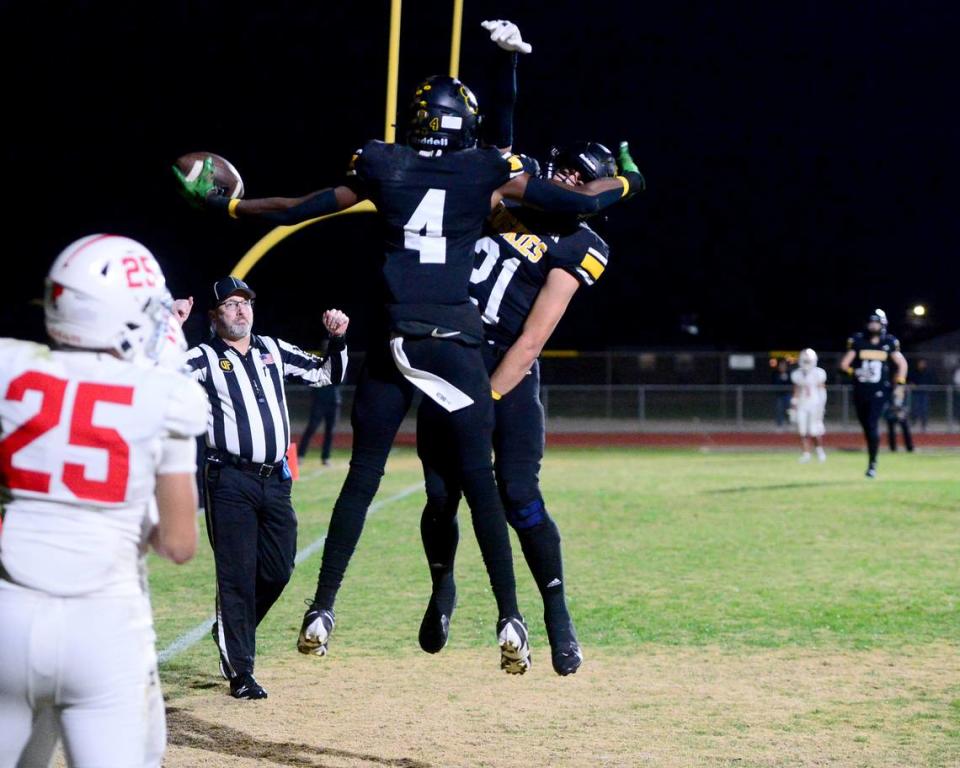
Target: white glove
{"x": 506, "y": 34}
{"x": 335, "y": 322}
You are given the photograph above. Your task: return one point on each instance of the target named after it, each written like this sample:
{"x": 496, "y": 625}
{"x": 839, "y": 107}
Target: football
{"x": 225, "y": 176}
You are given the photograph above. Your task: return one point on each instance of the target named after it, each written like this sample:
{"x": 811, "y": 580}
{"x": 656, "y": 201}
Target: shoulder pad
{"x": 516, "y": 165}
{"x": 187, "y": 406}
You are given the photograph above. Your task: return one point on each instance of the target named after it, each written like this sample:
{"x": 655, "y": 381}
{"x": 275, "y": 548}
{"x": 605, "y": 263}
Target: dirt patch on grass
{"x": 658, "y": 707}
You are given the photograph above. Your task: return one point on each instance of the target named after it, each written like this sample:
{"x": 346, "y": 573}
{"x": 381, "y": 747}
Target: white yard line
{"x": 195, "y": 635}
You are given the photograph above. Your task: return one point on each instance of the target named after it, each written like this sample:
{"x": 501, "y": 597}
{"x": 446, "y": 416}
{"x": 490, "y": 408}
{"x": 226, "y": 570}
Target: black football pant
{"x": 381, "y": 400}
{"x": 324, "y": 408}
{"x": 518, "y": 444}
{"x": 253, "y": 531}
{"x": 870, "y": 405}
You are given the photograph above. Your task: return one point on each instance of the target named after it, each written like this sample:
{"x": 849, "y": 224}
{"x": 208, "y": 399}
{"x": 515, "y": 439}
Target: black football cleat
{"x": 564, "y": 648}
{"x": 435, "y": 626}
{"x": 567, "y": 657}
{"x": 245, "y": 686}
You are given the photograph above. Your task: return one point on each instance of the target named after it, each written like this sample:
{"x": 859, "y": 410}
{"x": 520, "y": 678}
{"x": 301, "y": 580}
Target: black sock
{"x": 541, "y": 548}
{"x": 440, "y": 533}
{"x": 346, "y": 525}
{"x": 490, "y": 528}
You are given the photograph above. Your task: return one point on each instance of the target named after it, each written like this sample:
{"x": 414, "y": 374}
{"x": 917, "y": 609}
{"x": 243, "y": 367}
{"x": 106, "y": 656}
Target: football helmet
{"x": 807, "y": 359}
{"x": 589, "y": 158}
{"x": 443, "y": 115}
{"x": 878, "y": 317}
{"x": 107, "y": 292}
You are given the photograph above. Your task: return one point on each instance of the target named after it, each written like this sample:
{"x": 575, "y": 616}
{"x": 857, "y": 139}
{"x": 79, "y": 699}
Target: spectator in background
{"x": 324, "y": 407}
{"x": 780, "y": 378}
{"x": 920, "y": 378}
{"x": 956, "y": 393}
{"x": 896, "y": 414}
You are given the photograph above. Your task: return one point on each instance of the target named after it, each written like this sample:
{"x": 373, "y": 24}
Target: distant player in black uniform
{"x": 528, "y": 267}
{"x": 432, "y": 195}
{"x": 868, "y": 359}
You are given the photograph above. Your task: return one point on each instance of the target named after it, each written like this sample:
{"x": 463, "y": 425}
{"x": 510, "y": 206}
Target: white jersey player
{"x": 97, "y": 462}
{"x": 809, "y": 400}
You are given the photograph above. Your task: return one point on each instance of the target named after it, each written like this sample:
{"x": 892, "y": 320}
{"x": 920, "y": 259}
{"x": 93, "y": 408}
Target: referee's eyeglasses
{"x": 232, "y": 305}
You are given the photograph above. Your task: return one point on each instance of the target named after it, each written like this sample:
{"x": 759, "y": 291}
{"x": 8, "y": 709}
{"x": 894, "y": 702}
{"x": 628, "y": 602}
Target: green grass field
{"x": 669, "y": 554}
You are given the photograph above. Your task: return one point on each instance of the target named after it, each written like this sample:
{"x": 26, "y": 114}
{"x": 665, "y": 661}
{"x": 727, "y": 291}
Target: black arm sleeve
{"x": 322, "y": 203}
{"x": 552, "y": 197}
{"x": 498, "y": 121}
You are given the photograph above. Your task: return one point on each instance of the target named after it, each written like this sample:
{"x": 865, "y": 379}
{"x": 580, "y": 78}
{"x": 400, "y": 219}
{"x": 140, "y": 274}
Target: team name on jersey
{"x": 521, "y": 239}
{"x": 874, "y": 354}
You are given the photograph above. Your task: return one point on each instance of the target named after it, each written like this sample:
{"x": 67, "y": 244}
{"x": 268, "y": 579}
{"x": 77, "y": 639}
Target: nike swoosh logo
{"x": 437, "y": 335}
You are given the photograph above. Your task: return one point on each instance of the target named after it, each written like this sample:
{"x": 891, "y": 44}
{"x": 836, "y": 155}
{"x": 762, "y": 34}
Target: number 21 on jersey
{"x": 423, "y": 232}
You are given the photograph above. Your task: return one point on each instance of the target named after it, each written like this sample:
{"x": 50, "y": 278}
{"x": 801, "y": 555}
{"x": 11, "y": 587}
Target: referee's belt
{"x": 254, "y": 467}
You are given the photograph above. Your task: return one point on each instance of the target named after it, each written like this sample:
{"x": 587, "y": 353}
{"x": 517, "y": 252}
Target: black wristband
{"x": 217, "y": 203}
{"x": 637, "y": 182}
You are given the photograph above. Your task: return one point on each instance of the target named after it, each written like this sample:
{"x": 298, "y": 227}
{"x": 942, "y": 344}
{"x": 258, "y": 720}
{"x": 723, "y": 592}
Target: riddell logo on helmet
{"x": 435, "y": 141}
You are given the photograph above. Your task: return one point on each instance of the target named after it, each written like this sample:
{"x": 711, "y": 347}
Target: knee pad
{"x": 527, "y": 516}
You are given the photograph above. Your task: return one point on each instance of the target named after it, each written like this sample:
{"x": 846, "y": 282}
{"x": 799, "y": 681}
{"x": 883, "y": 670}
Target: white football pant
{"x": 84, "y": 668}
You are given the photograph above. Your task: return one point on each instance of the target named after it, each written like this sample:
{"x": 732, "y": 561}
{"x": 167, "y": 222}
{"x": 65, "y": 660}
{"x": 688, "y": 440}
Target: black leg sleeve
{"x": 381, "y": 401}
{"x": 471, "y": 429}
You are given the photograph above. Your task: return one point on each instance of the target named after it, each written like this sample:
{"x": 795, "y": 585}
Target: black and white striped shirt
{"x": 248, "y": 407}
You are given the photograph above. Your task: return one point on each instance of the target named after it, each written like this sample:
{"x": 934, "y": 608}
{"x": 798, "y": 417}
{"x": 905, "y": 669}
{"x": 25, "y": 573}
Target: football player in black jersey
{"x": 868, "y": 360}
{"x": 528, "y": 267}
{"x": 432, "y": 194}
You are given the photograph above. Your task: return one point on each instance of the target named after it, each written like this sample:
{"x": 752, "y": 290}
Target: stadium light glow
{"x": 919, "y": 310}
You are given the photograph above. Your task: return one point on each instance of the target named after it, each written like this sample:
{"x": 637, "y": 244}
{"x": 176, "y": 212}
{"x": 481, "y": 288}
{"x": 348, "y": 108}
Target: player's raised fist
{"x": 335, "y": 322}
{"x": 202, "y": 174}
{"x": 506, "y": 34}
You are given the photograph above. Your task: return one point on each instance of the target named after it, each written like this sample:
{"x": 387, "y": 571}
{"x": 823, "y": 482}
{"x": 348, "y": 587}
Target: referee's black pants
{"x": 870, "y": 403}
{"x": 253, "y": 532}
{"x": 382, "y": 398}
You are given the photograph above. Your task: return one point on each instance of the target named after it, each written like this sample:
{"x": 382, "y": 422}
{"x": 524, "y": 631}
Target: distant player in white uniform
{"x": 97, "y": 462}
{"x": 809, "y": 401}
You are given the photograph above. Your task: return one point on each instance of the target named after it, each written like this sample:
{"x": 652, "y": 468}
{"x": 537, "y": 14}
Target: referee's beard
{"x": 234, "y": 331}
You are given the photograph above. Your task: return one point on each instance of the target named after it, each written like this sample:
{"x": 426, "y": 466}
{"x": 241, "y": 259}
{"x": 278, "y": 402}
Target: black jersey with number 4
{"x": 519, "y": 248}
{"x": 871, "y": 366}
{"x": 432, "y": 210}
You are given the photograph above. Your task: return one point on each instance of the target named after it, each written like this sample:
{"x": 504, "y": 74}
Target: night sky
{"x": 801, "y": 158}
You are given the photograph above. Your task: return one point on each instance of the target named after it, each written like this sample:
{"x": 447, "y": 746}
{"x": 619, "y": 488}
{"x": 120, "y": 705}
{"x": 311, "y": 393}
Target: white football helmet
{"x": 107, "y": 292}
{"x": 808, "y": 359}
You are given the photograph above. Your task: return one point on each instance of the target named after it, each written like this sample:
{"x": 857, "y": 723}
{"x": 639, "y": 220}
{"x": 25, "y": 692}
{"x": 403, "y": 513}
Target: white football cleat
{"x": 804, "y": 457}
{"x": 512, "y": 636}
{"x": 315, "y": 631}
{"x": 821, "y": 454}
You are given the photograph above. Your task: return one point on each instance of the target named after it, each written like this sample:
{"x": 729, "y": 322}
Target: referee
{"x": 250, "y": 520}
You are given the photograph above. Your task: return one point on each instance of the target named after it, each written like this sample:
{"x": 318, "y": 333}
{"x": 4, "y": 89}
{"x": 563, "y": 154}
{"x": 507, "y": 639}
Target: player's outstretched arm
{"x": 551, "y": 303}
{"x": 201, "y": 193}
{"x": 586, "y": 199}
{"x": 288, "y": 210}
{"x": 498, "y": 120}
